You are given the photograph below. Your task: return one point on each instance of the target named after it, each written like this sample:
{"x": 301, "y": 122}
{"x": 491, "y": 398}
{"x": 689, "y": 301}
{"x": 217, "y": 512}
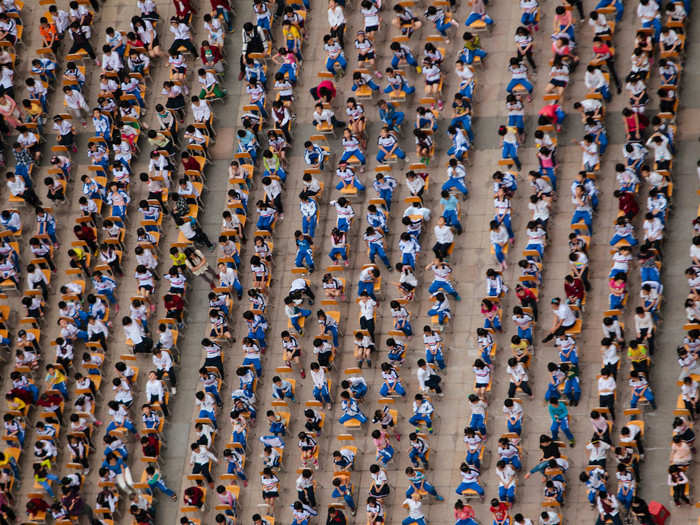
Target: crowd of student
{"x": 351, "y": 163}
{"x": 336, "y": 288}
{"x": 667, "y": 43}
{"x": 564, "y": 384}
{"x": 80, "y": 319}
{"x": 566, "y": 325}
{"x": 96, "y": 259}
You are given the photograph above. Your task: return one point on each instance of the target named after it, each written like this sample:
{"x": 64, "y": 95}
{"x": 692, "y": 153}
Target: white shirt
{"x": 201, "y": 111}
{"x": 443, "y": 234}
{"x": 75, "y": 100}
{"x": 590, "y": 153}
{"x": 607, "y": 385}
{"x": 646, "y": 13}
{"x": 565, "y": 313}
{"x": 164, "y": 362}
{"x": 336, "y": 16}
{"x": 203, "y": 456}
{"x": 154, "y": 387}
{"x": 517, "y": 373}
{"x": 181, "y": 31}
{"x": 367, "y": 308}
{"x": 111, "y": 61}
{"x": 610, "y": 356}
{"x": 500, "y": 236}
{"x": 597, "y": 453}
{"x": 134, "y": 332}
{"x": 594, "y": 80}
{"x": 318, "y": 378}
{"x": 17, "y": 186}
{"x": 414, "y": 508}
{"x": 423, "y": 374}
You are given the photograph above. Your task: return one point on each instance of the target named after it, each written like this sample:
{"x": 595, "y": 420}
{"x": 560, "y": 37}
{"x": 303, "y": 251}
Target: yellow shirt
{"x": 291, "y": 33}
{"x": 17, "y": 404}
{"x": 179, "y": 259}
{"x": 56, "y": 377}
{"x": 637, "y": 354}
{"x": 520, "y": 350}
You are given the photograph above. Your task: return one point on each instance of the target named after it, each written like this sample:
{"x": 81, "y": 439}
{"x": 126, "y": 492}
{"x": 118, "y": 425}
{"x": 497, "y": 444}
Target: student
{"x": 478, "y": 13}
{"x": 514, "y": 416}
{"x": 470, "y": 481}
{"x": 509, "y": 138}
{"x": 560, "y": 420}
{"x": 678, "y": 481}
{"x": 564, "y": 317}
{"x": 518, "y": 71}
{"x": 441, "y": 271}
{"x": 418, "y": 483}
{"x": 518, "y": 378}
{"x": 320, "y": 390}
{"x": 640, "y": 388}
{"x": 295, "y": 314}
{"x": 392, "y": 382}
{"x": 422, "y": 412}
{"x": 385, "y": 452}
{"x": 415, "y": 512}
{"x": 506, "y": 481}
{"x": 460, "y": 143}
{"x": 388, "y": 146}
{"x": 342, "y": 488}
{"x": 464, "y": 514}
{"x": 335, "y": 55}
{"x": 441, "y": 20}
{"x": 351, "y": 409}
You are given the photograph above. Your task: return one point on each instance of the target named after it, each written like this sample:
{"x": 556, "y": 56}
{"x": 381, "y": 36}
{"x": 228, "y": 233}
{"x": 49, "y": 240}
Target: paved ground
{"x": 470, "y": 258}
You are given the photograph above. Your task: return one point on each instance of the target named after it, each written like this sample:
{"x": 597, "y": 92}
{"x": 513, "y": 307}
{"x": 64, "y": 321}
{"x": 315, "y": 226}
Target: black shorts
{"x": 381, "y": 492}
{"x": 558, "y": 83}
{"x": 371, "y": 29}
{"x": 368, "y": 56}
{"x": 176, "y": 103}
{"x": 271, "y": 494}
{"x": 432, "y": 82}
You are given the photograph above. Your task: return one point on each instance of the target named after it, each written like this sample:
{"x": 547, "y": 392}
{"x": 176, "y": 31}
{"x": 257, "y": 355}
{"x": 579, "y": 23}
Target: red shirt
{"x": 628, "y": 204}
{"x": 574, "y": 290}
{"x": 550, "y": 111}
{"x": 183, "y": 8}
{"x": 135, "y": 43}
{"x": 190, "y": 163}
{"x": 602, "y": 50}
{"x": 215, "y": 54}
{"x": 525, "y": 294}
{"x": 328, "y": 85}
{"x": 219, "y": 3}
{"x": 37, "y": 505}
{"x": 174, "y": 303}
{"x": 152, "y": 447}
{"x": 193, "y": 496}
{"x": 85, "y": 234}
{"x": 501, "y": 511}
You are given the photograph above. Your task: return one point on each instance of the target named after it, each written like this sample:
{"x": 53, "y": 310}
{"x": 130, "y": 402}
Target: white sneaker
{"x": 173, "y": 390}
